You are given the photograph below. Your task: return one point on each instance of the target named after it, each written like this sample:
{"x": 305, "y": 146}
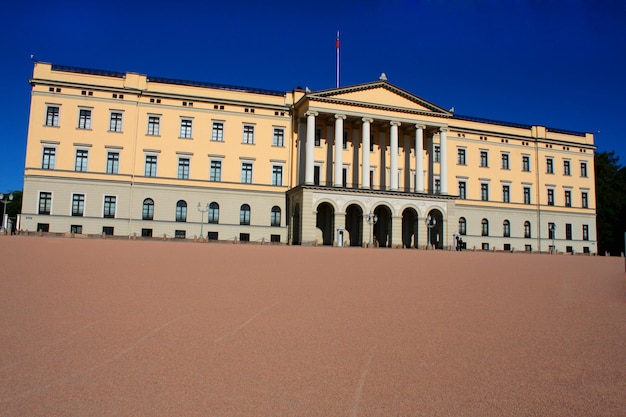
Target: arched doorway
{"x": 409, "y": 228}
{"x": 382, "y": 228}
{"x": 354, "y": 224}
{"x": 325, "y": 221}
{"x": 436, "y": 235}
{"x": 295, "y": 224}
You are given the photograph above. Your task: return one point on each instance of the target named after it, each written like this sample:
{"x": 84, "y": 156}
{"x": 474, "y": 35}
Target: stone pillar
{"x": 443, "y": 167}
{"x": 340, "y": 223}
{"x": 365, "y": 153}
{"x": 338, "y": 180}
{"x": 393, "y": 150}
{"x": 396, "y": 231}
{"x": 310, "y": 146}
{"x": 419, "y": 158}
{"x": 383, "y": 161}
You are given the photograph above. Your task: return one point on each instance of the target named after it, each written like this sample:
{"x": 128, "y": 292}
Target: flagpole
{"x": 337, "y": 47}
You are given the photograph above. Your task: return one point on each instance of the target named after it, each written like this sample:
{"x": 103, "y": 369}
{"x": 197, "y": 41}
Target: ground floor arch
{"x": 383, "y": 226}
{"x": 354, "y": 224}
{"x": 435, "y": 234}
{"x": 325, "y": 221}
{"x": 410, "y": 226}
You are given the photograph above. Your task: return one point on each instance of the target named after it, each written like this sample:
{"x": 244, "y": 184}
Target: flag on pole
{"x": 337, "y": 48}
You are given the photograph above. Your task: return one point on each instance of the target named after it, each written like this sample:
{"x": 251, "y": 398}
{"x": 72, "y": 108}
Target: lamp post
{"x": 371, "y": 220}
{"x": 430, "y": 223}
{"x": 4, "y": 210}
{"x": 202, "y": 216}
{"x": 553, "y": 233}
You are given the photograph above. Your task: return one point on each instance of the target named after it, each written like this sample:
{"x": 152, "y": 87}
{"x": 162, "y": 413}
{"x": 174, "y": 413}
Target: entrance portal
{"x": 409, "y": 228}
{"x": 354, "y": 224}
{"x": 325, "y": 222}
{"x": 436, "y": 232}
{"x": 382, "y": 228}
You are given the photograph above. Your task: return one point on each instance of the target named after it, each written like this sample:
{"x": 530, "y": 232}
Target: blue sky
{"x": 555, "y": 63}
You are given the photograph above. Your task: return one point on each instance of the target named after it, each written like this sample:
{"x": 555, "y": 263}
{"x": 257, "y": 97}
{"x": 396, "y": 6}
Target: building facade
{"x": 130, "y": 154}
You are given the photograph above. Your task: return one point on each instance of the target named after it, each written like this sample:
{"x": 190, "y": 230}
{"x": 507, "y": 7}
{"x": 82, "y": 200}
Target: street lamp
{"x": 202, "y": 216}
{"x": 4, "y": 210}
{"x": 553, "y": 233}
{"x": 371, "y": 220}
{"x": 430, "y": 223}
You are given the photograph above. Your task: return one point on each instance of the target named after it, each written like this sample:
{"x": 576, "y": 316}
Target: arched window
{"x": 462, "y": 226}
{"x": 506, "y": 228}
{"x": 181, "y": 211}
{"x": 148, "y": 209}
{"x": 244, "y": 214}
{"x": 275, "y": 219}
{"x": 527, "y": 233}
{"x": 485, "y": 227}
{"x": 214, "y": 213}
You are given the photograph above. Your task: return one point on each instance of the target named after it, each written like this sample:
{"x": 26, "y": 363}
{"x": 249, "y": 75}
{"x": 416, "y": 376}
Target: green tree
{"x": 610, "y": 203}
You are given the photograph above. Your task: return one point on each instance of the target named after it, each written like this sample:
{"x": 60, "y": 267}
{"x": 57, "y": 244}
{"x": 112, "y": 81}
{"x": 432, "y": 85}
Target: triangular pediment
{"x": 381, "y": 95}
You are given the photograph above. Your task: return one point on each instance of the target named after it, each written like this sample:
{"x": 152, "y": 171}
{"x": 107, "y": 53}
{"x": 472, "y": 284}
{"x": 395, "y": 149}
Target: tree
{"x": 610, "y": 203}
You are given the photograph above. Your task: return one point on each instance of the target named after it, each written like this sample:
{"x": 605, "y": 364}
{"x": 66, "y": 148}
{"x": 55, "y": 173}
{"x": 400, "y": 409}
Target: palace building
{"x": 129, "y": 154}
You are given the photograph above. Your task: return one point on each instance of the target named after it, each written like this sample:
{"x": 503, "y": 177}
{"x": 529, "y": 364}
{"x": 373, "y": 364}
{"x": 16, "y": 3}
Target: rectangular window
{"x": 526, "y": 195}
{"x": 462, "y": 190}
{"x": 52, "y": 116}
{"x": 526, "y": 163}
{"x": 506, "y": 193}
{"x": 84, "y": 119}
{"x": 484, "y": 192}
{"x": 318, "y": 137}
{"x": 436, "y": 153}
{"x": 484, "y": 159}
{"x": 316, "y": 174}
{"x": 76, "y": 228}
{"x": 566, "y": 168}
{"x": 344, "y": 177}
{"x": 154, "y": 124}
{"x": 345, "y": 140}
{"x": 107, "y": 230}
{"x": 248, "y": 134}
{"x": 568, "y": 198}
{"x": 212, "y": 235}
{"x": 437, "y": 186}
{"x": 43, "y": 227}
{"x": 45, "y": 203}
{"x": 151, "y": 166}
{"x": 277, "y": 175}
{"x": 584, "y": 199}
{"x": 244, "y": 237}
{"x": 185, "y": 128}
{"x": 279, "y": 137}
{"x": 275, "y": 238}
{"x": 48, "y": 160}
{"x": 549, "y": 166}
{"x": 585, "y": 232}
{"x": 505, "y": 161}
{"x": 109, "y": 207}
{"x": 146, "y": 232}
{"x": 246, "y": 173}
{"x": 80, "y": 165}
{"x": 78, "y": 204}
{"x": 113, "y": 162}
{"x": 115, "y": 124}
{"x": 180, "y": 234}
{"x": 183, "y": 168}
{"x": 215, "y": 174}
{"x": 460, "y": 153}
{"x": 550, "y": 197}
{"x": 217, "y": 132}
{"x": 568, "y": 231}
{"x": 551, "y": 231}
{"x": 583, "y": 169}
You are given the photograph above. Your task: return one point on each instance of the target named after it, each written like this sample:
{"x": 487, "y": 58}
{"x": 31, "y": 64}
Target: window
{"x": 151, "y": 166}
{"x": 549, "y": 166}
{"x": 52, "y": 116}
{"x": 462, "y": 190}
{"x": 275, "y": 238}
{"x": 505, "y": 161}
{"x": 526, "y": 195}
{"x": 80, "y": 165}
{"x": 45, "y": 202}
{"x": 568, "y": 198}
{"x": 76, "y": 228}
{"x": 217, "y": 133}
{"x": 244, "y": 237}
{"x": 279, "y": 137}
{"x": 107, "y": 230}
{"x": 78, "y": 204}
{"x": 371, "y": 144}
{"x": 148, "y": 209}
{"x": 585, "y": 232}
{"x": 115, "y": 124}
{"x": 583, "y": 169}
{"x": 484, "y": 192}
{"x": 550, "y": 197}
{"x": 566, "y": 168}
{"x": 109, "y": 206}
{"x": 180, "y": 234}
{"x": 181, "y": 211}
{"x": 462, "y": 226}
{"x": 275, "y": 218}
{"x": 318, "y": 137}
{"x": 584, "y": 199}
{"x": 84, "y": 119}
{"x": 246, "y": 173}
{"x": 506, "y": 193}
{"x": 344, "y": 177}
{"x": 154, "y": 123}
{"x": 345, "y": 140}
{"x": 460, "y": 156}
{"x": 568, "y": 231}
{"x": 49, "y": 156}
{"x": 185, "y": 128}
{"x": 436, "y": 153}
{"x": 485, "y": 227}
{"x": 248, "y": 134}
{"x": 244, "y": 214}
{"x": 527, "y": 233}
{"x": 183, "y": 168}
{"x": 212, "y": 235}
{"x": 437, "y": 186}
{"x": 506, "y": 228}
{"x": 551, "y": 231}
{"x": 277, "y": 175}
{"x": 484, "y": 159}
{"x": 526, "y": 163}
{"x": 215, "y": 173}
{"x": 146, "y": 232}
{"x": 43, "y": 227}
{"x": 214, "y": 213}
{"x": 113, "y": 162}
{"x": 316, "y": 174}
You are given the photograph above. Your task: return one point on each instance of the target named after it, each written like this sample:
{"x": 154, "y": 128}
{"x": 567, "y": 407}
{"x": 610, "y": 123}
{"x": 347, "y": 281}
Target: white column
{"x": 338, "y": 180}
{"x": 443, "y": 173}
{"x": 393, "y": 150}
{"x": 365, "y": 153}
{"x": 310, "y": 146}
{"x": 419, "y": 158}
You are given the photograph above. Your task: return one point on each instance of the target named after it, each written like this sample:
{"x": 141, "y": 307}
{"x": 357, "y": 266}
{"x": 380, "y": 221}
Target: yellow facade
{"x": 126, "y": 153}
